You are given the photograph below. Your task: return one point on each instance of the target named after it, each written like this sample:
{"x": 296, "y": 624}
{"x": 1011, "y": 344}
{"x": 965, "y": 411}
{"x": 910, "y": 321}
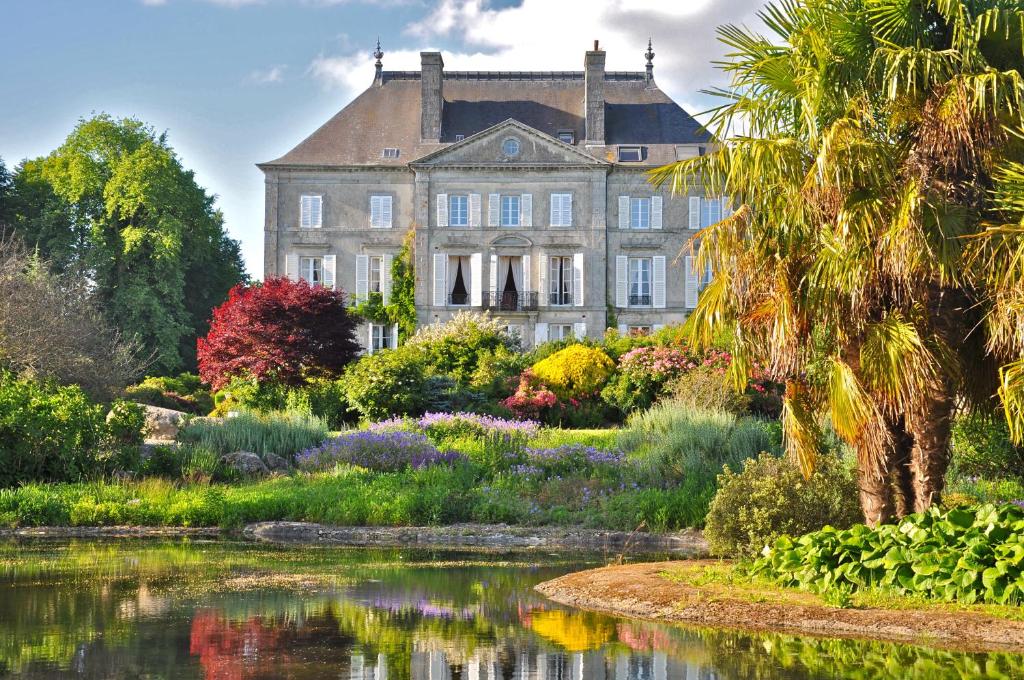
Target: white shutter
{"x": 526, "y": 210}
{"x": 527, "y": 273}
{"x": 542, "y": 280}
{"x": 394, "y": 336}
{"x": 440, "y": 279}
{"x": 385, "y": 277}
{"x": 657, "y": 327}
{"x": 579, "y": 329}
{"x": 623, "y": 212}
{"x": 556, "y": 210}
{"x": 375, "y": 211}
{"x": 540, "y": 334}
{"x": 621, "y": 283}
{"x": 330, "y": 267}
{"x": 442, "y": 210}
{"x": 369, "y": 338}
{"x": 474, "y": 210}
{"x": 305, "y": 206}
{"x": 567, "y": 210}
{"x": 493, "y": 274}
{"x": 577, "y": 279}
{"x": 362, "y": 277}
{"x": 695, "y": 212}
{"x": 656, "y": 212}
{"x": 476, "y": 275}
{"x": 658, "y": 275}
{"x": 291, "y": 266}
{"x": 493, "y": 210}
{"x": 690, "y": 284}
{"x": 386, "y": 211}
{"x": 623, "y": 330}
{"x": 316, "y": 211}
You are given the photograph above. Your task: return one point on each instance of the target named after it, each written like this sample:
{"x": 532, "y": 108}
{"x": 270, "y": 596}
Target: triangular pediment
{"x": 509, "y": 144}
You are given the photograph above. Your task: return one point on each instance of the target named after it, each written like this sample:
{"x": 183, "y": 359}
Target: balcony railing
{"x": 639, "y": 300}
{"x": 458, "y": 299}
{"x": 510, "y": 300}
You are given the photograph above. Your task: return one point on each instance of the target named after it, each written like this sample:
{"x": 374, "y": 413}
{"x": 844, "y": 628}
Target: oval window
{"x": 510, "y": 147}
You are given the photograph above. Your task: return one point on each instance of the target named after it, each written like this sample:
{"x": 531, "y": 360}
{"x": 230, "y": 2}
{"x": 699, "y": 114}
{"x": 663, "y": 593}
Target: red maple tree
{"x": 281, "y": 329}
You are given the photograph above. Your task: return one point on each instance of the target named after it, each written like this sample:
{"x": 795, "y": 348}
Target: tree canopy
{"x": 114, "y": 203}
{"x": 875, "y": 257}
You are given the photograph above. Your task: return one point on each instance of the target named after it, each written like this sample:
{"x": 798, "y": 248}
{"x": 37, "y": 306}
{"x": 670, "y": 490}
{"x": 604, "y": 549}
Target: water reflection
{"x": 239, "y": 612}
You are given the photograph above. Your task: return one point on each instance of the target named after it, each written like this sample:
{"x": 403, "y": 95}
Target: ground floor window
{"x": 380, "y": 337}
{"x": 639, "y": 281}
{"x": 560, "y": 331}
{"x": 312, "y": 270}
{"x": 639, "y": 330}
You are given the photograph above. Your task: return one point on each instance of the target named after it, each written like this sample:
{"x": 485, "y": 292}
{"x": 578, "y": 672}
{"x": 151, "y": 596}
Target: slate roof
{"x": 388, "y": 115}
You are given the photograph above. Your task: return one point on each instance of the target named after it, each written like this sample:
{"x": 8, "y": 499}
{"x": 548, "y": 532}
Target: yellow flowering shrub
{"x": 575, "y": 372}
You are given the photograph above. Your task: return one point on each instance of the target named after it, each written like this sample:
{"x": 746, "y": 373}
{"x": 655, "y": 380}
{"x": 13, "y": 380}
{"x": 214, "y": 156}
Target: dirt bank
{"x": 674, "y": 592}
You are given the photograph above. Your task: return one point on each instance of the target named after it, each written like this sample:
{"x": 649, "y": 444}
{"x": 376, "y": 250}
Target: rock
{"x": 245, "y": 463}
{"x": 276, "y": 463}
{"x": 163, "y": 423}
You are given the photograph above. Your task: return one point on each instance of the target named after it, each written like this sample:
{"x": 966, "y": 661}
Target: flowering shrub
{"x": 531, "y": 400}
{"x": 456, "y": 425}
{"x": 387, "y": 383}
{"x": 576, "y": 372}
{"x": 387, "y": 451}
{"x": 566, "y": 460}
{"x": 457, "y": 347}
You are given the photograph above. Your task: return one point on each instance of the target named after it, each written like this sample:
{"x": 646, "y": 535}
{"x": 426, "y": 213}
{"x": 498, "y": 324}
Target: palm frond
{"x": 800, "y": 430}
{"x": 1011, "y": 392}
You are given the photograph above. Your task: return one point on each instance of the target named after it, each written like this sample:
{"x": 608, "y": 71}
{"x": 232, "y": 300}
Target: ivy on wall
{"x": 401, "y": 308}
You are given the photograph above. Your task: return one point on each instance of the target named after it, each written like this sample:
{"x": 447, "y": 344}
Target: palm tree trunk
{"x": 876, "y": 499}
{"x": 930, "y": 426}
{"x": 901, "y": 477}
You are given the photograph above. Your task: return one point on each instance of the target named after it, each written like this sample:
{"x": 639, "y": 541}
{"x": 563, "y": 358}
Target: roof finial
{"x": 378, "y": 54}
{"x": 650, "y": 61}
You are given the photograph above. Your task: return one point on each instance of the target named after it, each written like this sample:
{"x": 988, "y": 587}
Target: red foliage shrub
{"x": 283, "y": 330}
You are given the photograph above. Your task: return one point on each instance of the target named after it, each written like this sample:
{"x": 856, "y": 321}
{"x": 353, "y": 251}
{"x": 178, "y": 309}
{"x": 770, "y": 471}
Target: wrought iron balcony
{"x": 510, "y": 300}
{"x": 639, "y": 300}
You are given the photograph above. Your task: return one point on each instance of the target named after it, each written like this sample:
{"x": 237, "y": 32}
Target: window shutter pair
{"x": 442, "y": 210}
{"x": 542, "y": 280}
{"x": 310, "y": 212}
{"x": 493, "y": 210}
{"x": 658, "y": 284}
{"x": 362, "y": 277}
{"x": 577, "y": 279}
{"x": 476, "y": 279}
{"x": 621, "y": 281}
{"x": 526, "y": 210}
{"x": 690, "y": 281}
{"x": 540, "y": 334}
{"x": 440, "y": 279}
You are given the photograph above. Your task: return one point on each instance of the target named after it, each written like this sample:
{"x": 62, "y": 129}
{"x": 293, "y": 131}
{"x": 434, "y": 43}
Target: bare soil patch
{"x": 668, "y": 591}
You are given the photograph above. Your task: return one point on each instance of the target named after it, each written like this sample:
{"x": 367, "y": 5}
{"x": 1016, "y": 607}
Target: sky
{"x": 238, "y": 82}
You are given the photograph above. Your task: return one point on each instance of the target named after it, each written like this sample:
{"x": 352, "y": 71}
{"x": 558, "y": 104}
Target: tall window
{"x": 375, "y": 265}
{"x": 710, "y": 211}
{"x": 510, "y": 211}
{"x": 639, "y": 213}
{"x": 380, "y": 337}
{"x": 458, "y": 210}
{"x": 560, "y": 280}
{"x": 311, "y": 212}
{"x": 380, "y": 212}
{"x": 312, "y": 270}
{"x": 560, "y": 331}
{"x": 639, "y": 281}
{"x": 561, "y": 210}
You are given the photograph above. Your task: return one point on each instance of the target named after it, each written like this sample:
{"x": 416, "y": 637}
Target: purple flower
{"x": 383, "y": 451}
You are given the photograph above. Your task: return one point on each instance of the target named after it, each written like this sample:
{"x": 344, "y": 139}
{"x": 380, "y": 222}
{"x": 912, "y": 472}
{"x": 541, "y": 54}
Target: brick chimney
{"x": 593, "y": 96}
{"x": 432, "y": 97}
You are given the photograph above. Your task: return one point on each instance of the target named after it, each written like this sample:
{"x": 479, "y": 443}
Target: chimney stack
{"x": 593, "y": 97}
{"x": 432, "y": 95}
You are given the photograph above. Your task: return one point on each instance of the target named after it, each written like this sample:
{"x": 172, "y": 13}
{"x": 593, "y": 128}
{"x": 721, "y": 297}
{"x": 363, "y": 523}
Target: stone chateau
{"x": 527, "y": 192}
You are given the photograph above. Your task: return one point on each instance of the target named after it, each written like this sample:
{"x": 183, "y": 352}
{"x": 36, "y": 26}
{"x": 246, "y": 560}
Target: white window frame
{"x": 568, "y": 133}
{"x": 564, "y": 211}
{"x": 311, "y": 270}
{"x": 459, "y": 137}
{"x": 640, "y": 212}
{"x": 458, "y": 215}
{"x": 560, "y": 271}
{"x": 560, "y": 331}
{"x": 381, "y": 216}
{"x": 389, "y": 152}
{"x": 639, "y": 286}
{"x": 375, "y": 285}
{"x": 306, "y": 220}
{"x": 380, "y": 337}
{"x": 710, "y": 211}
{"x": 625, "y": 151}
{"x": 508, "y": 202}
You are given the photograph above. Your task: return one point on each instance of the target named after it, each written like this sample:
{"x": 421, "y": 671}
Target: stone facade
{"x": 545, "y": 218}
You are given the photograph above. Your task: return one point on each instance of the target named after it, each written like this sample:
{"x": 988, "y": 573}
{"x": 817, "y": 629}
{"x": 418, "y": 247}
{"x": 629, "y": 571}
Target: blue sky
{"x": 236, "y": 82}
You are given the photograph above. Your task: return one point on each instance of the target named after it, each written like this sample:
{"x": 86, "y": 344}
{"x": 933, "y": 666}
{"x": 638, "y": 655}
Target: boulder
{"x": 275, "y": 463}
{"x": 245, "y": 463}
{"x": 163, "y": 423}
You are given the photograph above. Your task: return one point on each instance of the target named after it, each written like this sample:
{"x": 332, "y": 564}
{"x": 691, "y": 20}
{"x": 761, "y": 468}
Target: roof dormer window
{"x": 390, "y": 152}
{"x": 567, "y": 136}
{"x": 459, "y": 138}
{"x": 630, "y": 154}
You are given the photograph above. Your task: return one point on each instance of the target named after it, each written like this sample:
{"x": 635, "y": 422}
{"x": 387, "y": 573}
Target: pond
{"x": 227, "y": 611}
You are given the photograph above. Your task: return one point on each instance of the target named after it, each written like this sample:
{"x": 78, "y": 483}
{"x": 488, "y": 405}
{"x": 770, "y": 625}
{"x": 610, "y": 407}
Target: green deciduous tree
{"x": 115, "y": 202}
{"x": 875, "y": 259}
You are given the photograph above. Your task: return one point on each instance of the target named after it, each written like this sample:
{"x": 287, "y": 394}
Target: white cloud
{"x": 274, "y": 74}
{"x": 543, "y": 35}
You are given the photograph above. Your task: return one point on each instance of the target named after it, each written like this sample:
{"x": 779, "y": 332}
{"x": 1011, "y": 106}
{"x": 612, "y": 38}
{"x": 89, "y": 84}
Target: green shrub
{"x": 706, "y": 387}
{"x": 388, "y": 383}
{"x": 497, "y": 371}
{"x": 770, "y": 497}
{"x": 981, "y": 447}
{"x": 246, "y": 393}
{"x": 322, "y": 398}
{"x": 576, "y": 372}
{"x": 283, "y": 434}
{"x": 967, "y": 555}
{"x": 184, "y": 392}
{"x": 457, "y": 347}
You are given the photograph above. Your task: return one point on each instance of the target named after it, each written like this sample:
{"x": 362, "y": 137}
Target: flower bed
{"x": 382, "y": 451}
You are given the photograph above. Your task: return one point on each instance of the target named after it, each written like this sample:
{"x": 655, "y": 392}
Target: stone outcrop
{"x": 163, "y": 423}
{"x": 245, "y": 463}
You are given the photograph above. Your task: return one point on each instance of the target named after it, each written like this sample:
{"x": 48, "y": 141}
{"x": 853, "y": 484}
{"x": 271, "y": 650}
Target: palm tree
{"x": 875, "y": 257}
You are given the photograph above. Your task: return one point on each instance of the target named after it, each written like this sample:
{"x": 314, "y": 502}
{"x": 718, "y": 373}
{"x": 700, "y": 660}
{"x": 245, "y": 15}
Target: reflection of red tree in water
{"x": 232, "y": 651}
